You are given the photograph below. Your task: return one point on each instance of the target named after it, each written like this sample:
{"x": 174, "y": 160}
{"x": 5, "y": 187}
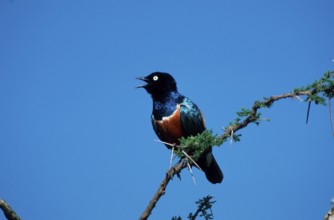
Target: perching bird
{"x": 175, "y": 116}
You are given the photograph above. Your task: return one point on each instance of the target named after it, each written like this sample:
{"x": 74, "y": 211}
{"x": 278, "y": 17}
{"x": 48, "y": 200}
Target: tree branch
{"x": 253, "y": 115}
{"x": 8, "y": 211}
{"x": 175, "y": 170}
{"x": 203, "y": 205}
{"x": 330, "y": 214}
{"x": 315, "y": 92}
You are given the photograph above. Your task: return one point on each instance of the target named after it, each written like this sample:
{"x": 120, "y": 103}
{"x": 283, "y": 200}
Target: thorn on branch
{"x": 330, "y": 115}
{"x": 232, "y": 133}
{"x": 183, "y": 152}
{"x": 171, "y": 158}
{"x": 298, "y": 97}
{"x": 191, "y": 172}
{"x": 308, "y": 111}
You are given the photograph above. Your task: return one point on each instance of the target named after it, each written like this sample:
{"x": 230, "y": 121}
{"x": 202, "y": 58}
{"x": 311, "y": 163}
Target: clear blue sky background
{"x": 75, "y": 135}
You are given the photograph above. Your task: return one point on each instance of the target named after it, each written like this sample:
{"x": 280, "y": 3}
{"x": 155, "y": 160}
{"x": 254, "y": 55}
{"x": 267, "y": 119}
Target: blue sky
{"x": 75, "y": 135}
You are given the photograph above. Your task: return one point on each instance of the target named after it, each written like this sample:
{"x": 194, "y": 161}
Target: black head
{"x": 158, "y": 84}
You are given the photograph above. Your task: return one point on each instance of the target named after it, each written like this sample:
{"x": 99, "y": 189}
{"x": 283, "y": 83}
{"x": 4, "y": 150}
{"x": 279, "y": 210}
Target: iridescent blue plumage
{"x": 192, "y": 121}
{"x": 175, "y": 116}
{"x": 166, "y": 107}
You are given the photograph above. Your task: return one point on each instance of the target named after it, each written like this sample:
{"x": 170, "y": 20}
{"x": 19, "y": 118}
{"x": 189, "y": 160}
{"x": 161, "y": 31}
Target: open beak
{"x": 143, "y": 79}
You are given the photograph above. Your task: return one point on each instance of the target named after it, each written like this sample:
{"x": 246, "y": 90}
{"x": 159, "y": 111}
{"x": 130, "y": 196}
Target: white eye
{"x": 155, "y": 78}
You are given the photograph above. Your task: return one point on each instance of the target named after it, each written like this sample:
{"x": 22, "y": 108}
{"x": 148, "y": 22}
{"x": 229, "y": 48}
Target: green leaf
{"x": 196, "y": 145}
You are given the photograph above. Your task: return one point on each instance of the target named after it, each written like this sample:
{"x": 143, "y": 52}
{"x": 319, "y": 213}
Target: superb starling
{"x": 175, "y": 116}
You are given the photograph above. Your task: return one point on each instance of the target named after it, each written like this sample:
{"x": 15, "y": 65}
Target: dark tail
{"x": 211, "y": 168}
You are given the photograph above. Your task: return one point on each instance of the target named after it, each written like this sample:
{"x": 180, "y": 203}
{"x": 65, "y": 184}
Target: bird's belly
{"x": 169, "y": 128}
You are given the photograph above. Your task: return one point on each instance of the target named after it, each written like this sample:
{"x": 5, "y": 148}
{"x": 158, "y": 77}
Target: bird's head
{"x": 158, "y": 84}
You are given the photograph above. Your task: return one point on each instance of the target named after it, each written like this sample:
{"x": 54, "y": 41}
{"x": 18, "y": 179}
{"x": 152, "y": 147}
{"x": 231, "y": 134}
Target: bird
{"x": 175, "y": 116}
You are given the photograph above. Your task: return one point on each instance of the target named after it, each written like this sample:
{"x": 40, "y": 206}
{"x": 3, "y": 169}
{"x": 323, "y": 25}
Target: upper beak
{"x": 143, "y": 79}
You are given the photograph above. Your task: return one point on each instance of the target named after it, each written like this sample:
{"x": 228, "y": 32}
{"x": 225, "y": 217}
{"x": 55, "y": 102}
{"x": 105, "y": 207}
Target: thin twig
{"x": 200, "y": 208}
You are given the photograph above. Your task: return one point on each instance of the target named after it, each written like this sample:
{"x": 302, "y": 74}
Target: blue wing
{"x": 192, "y": 121}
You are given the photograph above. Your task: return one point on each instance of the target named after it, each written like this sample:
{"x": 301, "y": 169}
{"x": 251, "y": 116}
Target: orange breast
{"x": 169, "y": 128}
